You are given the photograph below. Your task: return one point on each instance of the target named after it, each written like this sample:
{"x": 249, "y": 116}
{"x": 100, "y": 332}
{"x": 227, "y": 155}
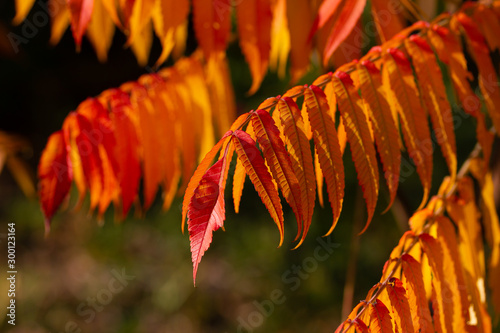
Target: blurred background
{"x": 136, "y": 276}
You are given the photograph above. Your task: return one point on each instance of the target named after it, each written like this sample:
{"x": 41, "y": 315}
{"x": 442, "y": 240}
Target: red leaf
{"x": 54, "y": 175}
{"x": 80, "y": 14}
{"x": 212, "y": 23}
{"x": 351, "y": 12}
{"x": 206, "y": 211}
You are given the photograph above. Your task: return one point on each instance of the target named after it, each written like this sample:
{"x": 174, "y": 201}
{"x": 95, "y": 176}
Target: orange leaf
{"x": 488, "y": 80}
{"x": 380, "y": 318}
{"x": 327, "y": 147}
{"x": 212, "y": 24}
{"x": 399, "y": 305}
{"x": 433, "y": 93}
{"x": 54, "y": 176}
{"x": 260, "y": 177}
{"x": 434, "y": 253}
{"x": 300, "y": 153}
{"x": 449, "y": 51}
{"x": 268, "y": 137}
{"x": 415, "y": 291}
{"x": 453, "y": 271}
{"x": 358, "y": 134}
{"x": 80, "y": 14}
{"x": 299, "y": 12}
{"x": 385, "y": 131}
{"x": 139, "y": 18}
{"x": 254, "y": 28}
{"x": 387, "y": 19}
{"x": 100, "y": 31}
{"x": 400, "y": 86}
{"x": 206, "y": 211}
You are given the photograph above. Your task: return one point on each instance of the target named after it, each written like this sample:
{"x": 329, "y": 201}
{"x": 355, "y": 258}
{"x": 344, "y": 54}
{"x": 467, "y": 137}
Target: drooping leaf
{"x": 127, "y": 147}
{"x": 280, "y": 39}
{"x": 268, "y": 137}
{"x": 327, "y": 147}
{"x": 300, "y": 154}
{"x": 440, "y": 284}
{"x": 260, "y": 177}
{"x": 358, "y": 134}
{"x": 385, "y": 132}
{"x": 488, "y": 80}
{"x": 206, "y": 212}
{"x": 60, "y": 19}
{"x": 300, "y": 48}
{"x": 80, "y": 13}
{"x": 100, "y": 31}
{"x": 415, "y": 289}
{"x": 397, "y": 77}
{"x": 452, "y": 269}
{"x": 198, "y": 175}
{"x": 399, "y": 305}
{"x": 434, "y": 96}
{"x": 380, "y": 318}
{"x": 347, "y": 19}
{"x": 168, "y": 17}
{"x": 254, "y": 26}
{"x": 54, "y": 175}
{"x": 23, "y": 7}
{"x": 212, "y": 23}
{"x": 449, "y": 51}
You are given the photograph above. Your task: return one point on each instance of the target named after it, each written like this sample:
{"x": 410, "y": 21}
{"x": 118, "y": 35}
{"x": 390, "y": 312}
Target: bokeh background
{"x": 67, "y": 281}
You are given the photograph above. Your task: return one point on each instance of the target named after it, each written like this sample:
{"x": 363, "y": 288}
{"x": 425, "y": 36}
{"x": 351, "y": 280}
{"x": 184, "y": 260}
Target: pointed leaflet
{"x": 78, "y": 132}
{"x": 168, "y": 17}
{"x": 299, "y": 12}
{"x": 415, "y": 290}
{"x": 23, "y": 7}
{"x": 254, "y": 29}
{"x": 268, "y": 137}
{"x": 440, "y": 283}
{"x": 139, "y": 18}
{"x": 453, "y": 270}
{"x": 100, "y": 31}
{"x": 385, "y": 131}
{"x": 300, "y": 154}
{"x": 358, "y": 134}
{"x": 260, "y": 177}
{"x": 319, "y": 179}
{"x": 127, "y": 146}
{"x": 80, "y": 14}
{"x": 142, "y": 45}
{"x": 399, "y": 305}
{"x": 488, "y": 80}
{"x": 380, "y": 318}
{"x": 327, "y": 147}
{"x": 449, "y": 51}
{"x": 239, "y": 171}
{"x": 212, "y": 24}
{"x": 59, "y": 20}
{"x": 206, "y": 211}
{"x": 347, "y": 19}
{"x": 198, "y": 174}
{"x": 400, "y": 86}
{"x": 433, "y": 93}
{"x": 102, "y": 136}
{"x": 54, "y": 176}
